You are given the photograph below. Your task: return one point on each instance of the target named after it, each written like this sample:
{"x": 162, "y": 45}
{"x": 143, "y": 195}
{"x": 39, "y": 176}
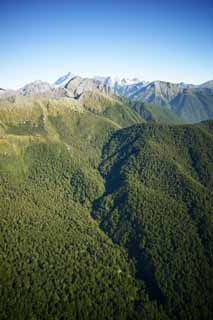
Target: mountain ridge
{"x": 191, "y": 103}
{"x": 103, "y": 215}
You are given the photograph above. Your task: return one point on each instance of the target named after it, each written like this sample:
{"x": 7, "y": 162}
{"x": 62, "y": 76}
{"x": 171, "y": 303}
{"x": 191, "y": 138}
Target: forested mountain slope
{"x": 101, "y": 221}
{"x": 158, "y": 204}
{"x": 55, "y": 262}
{"x": 154, "y": 113}
{"x": 194, "y": 105}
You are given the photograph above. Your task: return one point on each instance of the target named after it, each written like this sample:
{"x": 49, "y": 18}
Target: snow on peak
{"x": 62, "y": 81}
{"x": 116, "y": 81}
{"x": 112, "y": 82}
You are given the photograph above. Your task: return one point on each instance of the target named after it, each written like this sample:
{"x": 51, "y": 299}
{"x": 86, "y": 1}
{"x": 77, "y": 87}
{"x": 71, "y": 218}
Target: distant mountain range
{"x": 191, "y": 103}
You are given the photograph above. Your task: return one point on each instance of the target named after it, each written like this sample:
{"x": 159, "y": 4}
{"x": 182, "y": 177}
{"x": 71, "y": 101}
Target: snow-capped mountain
{"x": 192, "y": 102}
{"x": 108, "y": 81}
{"x": 123, "y": 86}
{"x": 114, "y": 82}
{"x": 127, "y": 81}
{"x": 62, "y": 81}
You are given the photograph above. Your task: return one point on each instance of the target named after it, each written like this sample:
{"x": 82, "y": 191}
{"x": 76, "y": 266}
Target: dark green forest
{"x": 102, "y": 214}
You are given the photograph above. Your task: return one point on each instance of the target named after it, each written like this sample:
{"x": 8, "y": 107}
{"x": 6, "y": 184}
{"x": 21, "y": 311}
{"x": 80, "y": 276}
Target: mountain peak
{"x": 63, "y": 80}
{"x": 35, "y": 87}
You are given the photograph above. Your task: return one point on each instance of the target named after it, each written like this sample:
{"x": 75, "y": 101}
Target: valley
{"x": 106, "y": 207}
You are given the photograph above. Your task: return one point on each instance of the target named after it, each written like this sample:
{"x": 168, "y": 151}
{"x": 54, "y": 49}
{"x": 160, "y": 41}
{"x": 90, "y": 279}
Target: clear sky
{"x": 153, "y": 39}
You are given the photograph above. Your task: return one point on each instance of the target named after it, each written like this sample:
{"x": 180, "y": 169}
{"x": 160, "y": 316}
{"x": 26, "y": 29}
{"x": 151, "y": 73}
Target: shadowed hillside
{"x": 158, "y": 205}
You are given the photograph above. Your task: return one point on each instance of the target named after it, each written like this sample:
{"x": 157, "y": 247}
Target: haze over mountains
{"x": 191, "y": 103}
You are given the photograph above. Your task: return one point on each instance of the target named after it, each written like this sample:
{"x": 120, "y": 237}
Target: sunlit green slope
{"x": 100, "y": 221}
{"x": 55, "y": 262}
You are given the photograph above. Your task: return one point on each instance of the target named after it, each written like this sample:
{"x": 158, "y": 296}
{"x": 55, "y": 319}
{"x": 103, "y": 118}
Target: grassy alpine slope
{"x": 148, "y": 254}
{"x": 110, "y": 107}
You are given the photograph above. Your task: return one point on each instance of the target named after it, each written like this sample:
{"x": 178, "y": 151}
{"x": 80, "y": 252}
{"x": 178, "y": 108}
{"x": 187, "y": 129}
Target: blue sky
{"x": 166, "y": 40}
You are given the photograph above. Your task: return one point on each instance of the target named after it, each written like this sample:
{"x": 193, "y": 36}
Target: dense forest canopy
{"x": 102, "y": 214}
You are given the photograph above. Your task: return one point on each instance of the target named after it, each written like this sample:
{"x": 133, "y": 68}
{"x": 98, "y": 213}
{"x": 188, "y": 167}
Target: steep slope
{"x": 125, "y": 87}
{"x": 190, "y": 102}
{"x": 158, "y": 205}
{"x": 35, "y": 88}
{"x": 153, "y": 112}
{"x": 110, "y": 107}
{"x": 158, "y": 92}
{"x": 55, "y": 262}
{"x": 194, "y": 105}
{"x": 79, "y": 85}
{"x": 52, "y": 253}
{"x": 129, "y": 90}
{"x": 148, "y": 186}
{"x": 63, "y": 80}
